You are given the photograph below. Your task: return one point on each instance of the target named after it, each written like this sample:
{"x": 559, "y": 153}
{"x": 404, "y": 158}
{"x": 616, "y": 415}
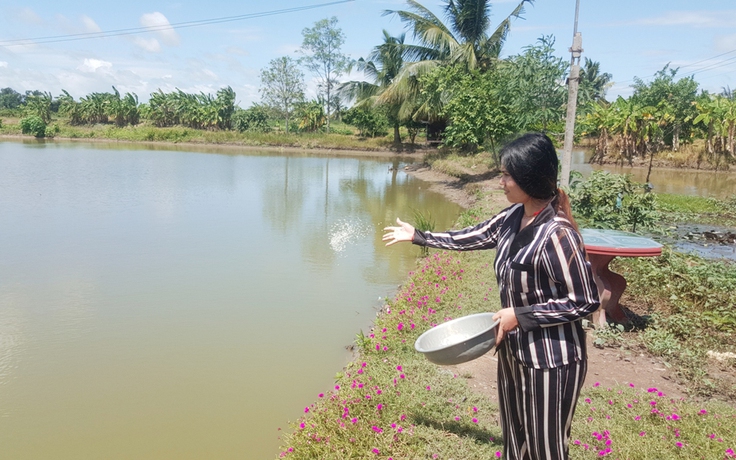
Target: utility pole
{"x": 572, "y": 99}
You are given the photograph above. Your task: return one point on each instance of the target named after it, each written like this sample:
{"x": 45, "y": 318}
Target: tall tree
{"x": 322, "y": 56}
{"x": 679, "y": 95}
{"x": 282, "y": 86}
{"x": 593, "y": 83}
{"x": 10, "y": 98}
{"x": 464, "y": 39}
{"x": 383, "y": 65}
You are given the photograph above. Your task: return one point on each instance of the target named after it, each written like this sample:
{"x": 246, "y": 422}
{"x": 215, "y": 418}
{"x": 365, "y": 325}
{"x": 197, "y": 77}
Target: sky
{"x": 629, "y": 38}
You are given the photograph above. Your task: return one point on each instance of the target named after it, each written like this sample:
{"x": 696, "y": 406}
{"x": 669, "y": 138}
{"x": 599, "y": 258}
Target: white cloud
{"x": 725, "y": 42}
{"x": 148, "y": 44}
{"x": 89, "y": 24}
{"x": 29, "y": 16}
{"x": 3, "y": 64}
{"x": 157, "y": 22}
{"x": 237, "y": 50}
{"x": 91, "y": 65}
{"x": 699, "y": 19}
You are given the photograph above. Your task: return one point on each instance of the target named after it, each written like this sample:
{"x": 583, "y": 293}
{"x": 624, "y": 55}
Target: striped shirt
{"x": 542, "y": 273}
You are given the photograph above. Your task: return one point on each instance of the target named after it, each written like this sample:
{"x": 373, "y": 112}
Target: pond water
{"x": 717, "y": 184}
{"x": 178, "y": 304}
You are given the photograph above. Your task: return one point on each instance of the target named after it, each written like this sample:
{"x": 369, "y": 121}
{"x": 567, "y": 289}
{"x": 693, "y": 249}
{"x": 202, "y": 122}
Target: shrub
{"x": 33, "y": 125}
{"x": 253, "y": 119}
{"x": 612, "y": 201}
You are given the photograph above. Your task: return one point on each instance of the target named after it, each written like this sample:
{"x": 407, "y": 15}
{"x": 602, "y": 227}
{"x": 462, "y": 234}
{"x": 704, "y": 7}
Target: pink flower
{"x": 679, "y": 444}
{"x": 498, "y": 454}
{"x": 306, "y": 409}
{"x": 703, "y": 412}
{"x": 597, "y": 384}
{"x": 400, "y": 326}
{"x": 354, "y": 420}
{"x": 377, "y": 429}
{"x": 642, "y": 433}
{"x": 379, "y": 407}
{"x": 321, "y": 395}
{"x": 398, "y": 368}
{"x": 730, "y": 453}
{"x": 475, "y": 409}
{"x": 337, "y": 387}
{"x": 457, "y": 419}
{"x": 475, "y": 420}
{"x": 301, "y": 426}
{"x": 428, "y": 387}
{"x": 376, "y": 451}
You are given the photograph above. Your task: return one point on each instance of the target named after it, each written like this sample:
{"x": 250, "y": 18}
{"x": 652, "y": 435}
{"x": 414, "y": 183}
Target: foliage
{"x": 691, "y": 301}
{"x": 535, "y": 86}
{"x": 645, "y": 423}
{"x": 425, "y": 223}
{"x": 10, "y": 99}
{"x": 199, "y": 111}
{"x": 33, "y": 125}
{"x": 323, "y": 57}
{"x": 384, "y": 64}
{"x": 612, "y": 201}
{"x": 593, "y": 84}
{"x": 464, "y": 40}
{"x": 475, "y": 106}
{"x": 369, "y": 121}
{"x": 254, "y": 118}
{"x": 310, "y": 116}
{"x": 282, "y": 86}
{"x": 697, "y": 209}
{"x": 39, "y": 105}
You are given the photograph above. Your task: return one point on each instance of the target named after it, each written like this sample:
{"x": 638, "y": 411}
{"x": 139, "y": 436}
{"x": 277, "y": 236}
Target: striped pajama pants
{"x": 537, "y": 406}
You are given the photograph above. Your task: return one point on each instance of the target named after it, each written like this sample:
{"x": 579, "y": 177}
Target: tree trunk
{"x": 651, "y": 160}
{"x": 397, "y": 135}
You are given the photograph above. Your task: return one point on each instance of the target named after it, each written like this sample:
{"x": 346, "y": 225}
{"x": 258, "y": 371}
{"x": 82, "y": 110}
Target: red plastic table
{"x": 602, "y": 247}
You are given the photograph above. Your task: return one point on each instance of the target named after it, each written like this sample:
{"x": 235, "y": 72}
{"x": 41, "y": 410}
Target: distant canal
{"x": 178, "y": 304}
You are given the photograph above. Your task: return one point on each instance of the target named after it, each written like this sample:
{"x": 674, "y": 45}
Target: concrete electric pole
{"x": 572, "y": 100}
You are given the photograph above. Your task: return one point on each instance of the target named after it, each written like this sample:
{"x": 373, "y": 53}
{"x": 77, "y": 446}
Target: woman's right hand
{"x": 404, "y": 232}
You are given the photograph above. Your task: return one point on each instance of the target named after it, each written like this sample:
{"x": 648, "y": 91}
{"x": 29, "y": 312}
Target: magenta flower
{"x": 321, "y": 395}
{"x": 363, "y": 364}
{"x": 377, "y": 429}
{"x": 498, "y": 454}
{"x": 597, "y": 384}
{"x": 679, "y": 444}
{"x": 400, "y": 326}
{"x": 379, "y": 407}
{"x": 642, "y": 433}
{"x": 730, "y": 453}
{"x": 301, "y": 426}
{"x": 703, "y": 412}
{"x": 457, "y": 419}
{"x": 376, "y": 451}
{"x": 475, "y": 409}
{"x": 398, "y": 368}
{"x": 475, "y": 420}
{"x": 354, "y": 420}
{"x": 306, "y": 409}
{"x": 337, "y": 387}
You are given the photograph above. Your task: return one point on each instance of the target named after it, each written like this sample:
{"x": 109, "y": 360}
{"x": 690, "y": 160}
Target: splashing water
{"x": 345, "y": 232}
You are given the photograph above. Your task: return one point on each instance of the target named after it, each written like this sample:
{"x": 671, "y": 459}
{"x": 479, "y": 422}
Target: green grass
{"x": 178, "y": 134}
{"x": 391, "y": 403}
{"x": 697, "y": 209}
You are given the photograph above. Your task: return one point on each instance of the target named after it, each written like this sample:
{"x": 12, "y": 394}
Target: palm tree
{"x": 463, "y": 40}
{"x": 593, "y": 83}
{"x": 383, "y": 65}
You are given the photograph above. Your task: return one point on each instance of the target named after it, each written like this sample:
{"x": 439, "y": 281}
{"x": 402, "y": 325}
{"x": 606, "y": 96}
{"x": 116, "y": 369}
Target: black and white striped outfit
{"x": 543, "y": 274}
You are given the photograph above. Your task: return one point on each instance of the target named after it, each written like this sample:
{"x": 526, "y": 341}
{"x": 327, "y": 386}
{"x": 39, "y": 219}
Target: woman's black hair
{"x": 532, "y": 162}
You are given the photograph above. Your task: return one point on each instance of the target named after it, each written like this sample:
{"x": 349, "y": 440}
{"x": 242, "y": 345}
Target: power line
{"x": 178, "y": 25}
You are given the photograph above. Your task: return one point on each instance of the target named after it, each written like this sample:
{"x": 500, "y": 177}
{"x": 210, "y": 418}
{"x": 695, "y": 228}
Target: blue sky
{"x": 630, "y": 38}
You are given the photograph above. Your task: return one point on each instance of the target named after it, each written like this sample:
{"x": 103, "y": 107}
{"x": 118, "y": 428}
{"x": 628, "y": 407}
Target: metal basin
{"x": 458, "y": 340}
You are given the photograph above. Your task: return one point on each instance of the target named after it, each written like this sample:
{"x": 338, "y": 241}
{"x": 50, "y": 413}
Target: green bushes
{"x": 33, "y": 125}
{"x": 612, "y": 201}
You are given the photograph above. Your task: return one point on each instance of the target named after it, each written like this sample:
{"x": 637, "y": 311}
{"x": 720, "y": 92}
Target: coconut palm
{"x": 462, "y": 40}
{"x": 383, "y": 65}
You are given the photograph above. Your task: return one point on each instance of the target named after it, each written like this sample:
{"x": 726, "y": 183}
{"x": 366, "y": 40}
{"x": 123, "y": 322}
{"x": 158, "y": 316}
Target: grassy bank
{"x": 391, "y": 403}
{"x": 342, "y": 138}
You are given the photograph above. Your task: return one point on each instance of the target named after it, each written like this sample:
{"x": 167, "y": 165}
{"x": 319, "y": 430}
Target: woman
{"x": 546, "y": 288}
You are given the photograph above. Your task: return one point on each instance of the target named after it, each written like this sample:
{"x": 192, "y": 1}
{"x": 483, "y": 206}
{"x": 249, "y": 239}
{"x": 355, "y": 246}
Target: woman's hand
{"x": 404, "y": 232}
{"x": 507, "y": 323}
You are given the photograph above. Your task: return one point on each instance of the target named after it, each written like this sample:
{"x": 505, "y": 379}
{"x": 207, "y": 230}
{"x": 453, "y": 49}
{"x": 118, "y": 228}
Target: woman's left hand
{"x": 507, "y": 322}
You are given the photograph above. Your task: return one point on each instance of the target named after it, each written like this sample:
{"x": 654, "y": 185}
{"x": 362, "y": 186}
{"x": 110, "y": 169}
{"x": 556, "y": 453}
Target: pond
{"x": 179, "y": 304}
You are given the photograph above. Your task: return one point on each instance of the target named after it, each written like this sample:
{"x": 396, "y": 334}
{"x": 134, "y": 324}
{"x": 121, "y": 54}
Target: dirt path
{"x": 607, "y": 367}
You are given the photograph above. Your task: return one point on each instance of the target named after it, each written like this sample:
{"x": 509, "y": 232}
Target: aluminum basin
{"x": 458, "y": 340}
